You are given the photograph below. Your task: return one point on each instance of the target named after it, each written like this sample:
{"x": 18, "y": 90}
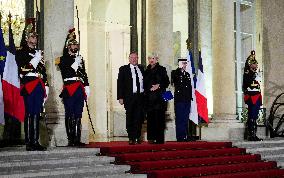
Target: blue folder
{"x": 167, "y": 95}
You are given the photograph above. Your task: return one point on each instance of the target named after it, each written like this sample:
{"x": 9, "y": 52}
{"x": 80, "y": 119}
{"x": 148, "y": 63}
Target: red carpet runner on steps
{"x": 189, "y": 159}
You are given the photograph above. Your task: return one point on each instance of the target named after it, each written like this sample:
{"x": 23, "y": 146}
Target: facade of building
{"x": 224, "y": 30}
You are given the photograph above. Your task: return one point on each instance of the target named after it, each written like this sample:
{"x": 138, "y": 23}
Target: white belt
{"x": 72, "y": 78}
{"x": 31, "y": 74}
{"x": 255, "y": 89}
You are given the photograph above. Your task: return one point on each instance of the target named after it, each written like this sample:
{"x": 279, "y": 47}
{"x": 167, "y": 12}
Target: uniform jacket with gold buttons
{"x": 182, "y": 83}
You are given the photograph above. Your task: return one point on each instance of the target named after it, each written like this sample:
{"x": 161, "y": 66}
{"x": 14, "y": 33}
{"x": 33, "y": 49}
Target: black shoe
{"x": 38, "y": 147}
{"x": 80, "y": 144}
{"x": 70, "y": 143}
{"x": 257, "y": 139}
{"x": 191, "y": 139}
{"x": 151, "y": 141}
{"x": 131, "y": 142}
{"x": 138, "y": 141}
{"x": 30, "y": 147}
{"x": 159, "y": 142}
{"x": 181, "y": 140}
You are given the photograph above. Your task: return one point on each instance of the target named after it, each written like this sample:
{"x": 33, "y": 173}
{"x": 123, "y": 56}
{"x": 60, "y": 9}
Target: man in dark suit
{"x": 130, "y": 94}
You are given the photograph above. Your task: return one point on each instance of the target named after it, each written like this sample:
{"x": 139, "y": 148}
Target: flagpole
{"x": 0, "y": 18}
{"x": 9, "y": 19}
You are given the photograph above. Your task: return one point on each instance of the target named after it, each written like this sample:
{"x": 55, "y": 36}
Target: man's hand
{"x": 87, "y": 91}
{"x": 155, "y": 87}
{"x": 120, "y": 101}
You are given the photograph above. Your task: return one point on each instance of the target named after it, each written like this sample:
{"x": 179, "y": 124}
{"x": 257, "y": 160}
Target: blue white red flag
{"x": 3, "y": 54}
{"x": 200, "y": 93}
{"x": 191, "y": 70}
{"x": 14, "y": 105}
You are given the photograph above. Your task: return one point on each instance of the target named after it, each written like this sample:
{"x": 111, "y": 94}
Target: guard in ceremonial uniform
{"x": 252, "y": 95}
{"x": 76, "y": 88}
{"x": 180, "y": 78}
{"x": 34, "y": 85}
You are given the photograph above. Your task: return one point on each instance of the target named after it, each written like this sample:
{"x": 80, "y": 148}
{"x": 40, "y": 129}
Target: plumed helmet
{"x": 29, "y": 30}
{"x": 70, "y": 40}
{"x": 251, "y": 59}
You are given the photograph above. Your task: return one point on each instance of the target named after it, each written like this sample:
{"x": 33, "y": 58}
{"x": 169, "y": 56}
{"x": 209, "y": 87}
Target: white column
{"x": 160, "y": 30}
{"x": 160, "y": 41}
{"x": 97, "y": 69}
{"x": 224, "y": 99}
{"x": 58, "y": 19}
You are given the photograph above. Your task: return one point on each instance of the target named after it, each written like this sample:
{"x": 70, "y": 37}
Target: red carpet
{"x": 189, "y": 159}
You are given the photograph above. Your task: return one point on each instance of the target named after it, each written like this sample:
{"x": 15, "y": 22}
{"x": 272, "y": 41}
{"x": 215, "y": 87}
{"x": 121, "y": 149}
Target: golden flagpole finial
{"x": 188, "y": 44}
{"x": 9, "y": 18}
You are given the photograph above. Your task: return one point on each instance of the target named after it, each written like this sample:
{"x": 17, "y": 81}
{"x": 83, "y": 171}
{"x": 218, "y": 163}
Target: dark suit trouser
{"x": 156, "y": 125}
{"x": 134, "y": 116}
{"x": 182, "y": 110}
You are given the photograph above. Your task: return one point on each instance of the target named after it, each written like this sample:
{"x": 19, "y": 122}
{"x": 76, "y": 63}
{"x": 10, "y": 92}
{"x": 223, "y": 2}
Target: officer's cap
{"x": 182, "y": 60}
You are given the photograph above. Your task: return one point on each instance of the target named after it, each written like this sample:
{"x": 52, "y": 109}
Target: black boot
{"x": 36, "y": 144}
{"x": 69, "y": 131}
{"x": 255, "y": 131}
{"x": 250, "y": 130}
{"x": 29, "y": 132}
{"x": 78, "y": 133}
{"x": 7, "y": 132}
{"x": 251, "y": 134}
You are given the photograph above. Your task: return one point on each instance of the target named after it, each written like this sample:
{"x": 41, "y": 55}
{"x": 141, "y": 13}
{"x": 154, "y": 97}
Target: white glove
{"x": 258, "y": 77}
{"x": 78, "y": 59}
{"x": 77, "y": 63}
{"x": 46, "y": 93}
{"x": 75, "y": 66}
{"x": 87, "y": 91}
{"x": 36, "y": 58}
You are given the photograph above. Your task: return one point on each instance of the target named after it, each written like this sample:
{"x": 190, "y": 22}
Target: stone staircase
{"x": 59, "y": 162}
{"x": 269, "y": 149}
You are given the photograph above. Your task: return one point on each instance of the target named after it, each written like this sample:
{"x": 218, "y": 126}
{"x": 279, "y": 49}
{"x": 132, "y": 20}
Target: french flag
{"x": 13, "y": 101}
{"x": 200, "y": 93}
{"x": 3, "y": 54}
{"x": 191, "y": 70}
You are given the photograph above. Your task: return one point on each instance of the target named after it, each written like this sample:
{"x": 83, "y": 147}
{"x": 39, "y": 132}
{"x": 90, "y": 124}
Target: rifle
{"x": 84, "y": 69}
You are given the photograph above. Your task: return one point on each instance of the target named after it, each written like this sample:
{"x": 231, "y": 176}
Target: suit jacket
{"x": 125, "y": 82}
{"x": 153, "y": 76}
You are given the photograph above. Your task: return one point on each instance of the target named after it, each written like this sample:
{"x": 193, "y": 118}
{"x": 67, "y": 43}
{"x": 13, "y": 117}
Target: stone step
{"x": 42, "y": 166}
{"x": 91, "y": 175}
{"x": 267, "y": 151}
{"x": 60, "y": 153}
{"x": 22, "y": 150}
{"x": 56, "y": 160}
{"x": 278, "y": 158}
{"x": 265, "y": 143}
{"x": 91, "y": 170}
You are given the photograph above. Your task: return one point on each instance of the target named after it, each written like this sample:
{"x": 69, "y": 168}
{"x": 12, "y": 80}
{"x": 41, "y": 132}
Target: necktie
{"x": 137, "y": 80}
